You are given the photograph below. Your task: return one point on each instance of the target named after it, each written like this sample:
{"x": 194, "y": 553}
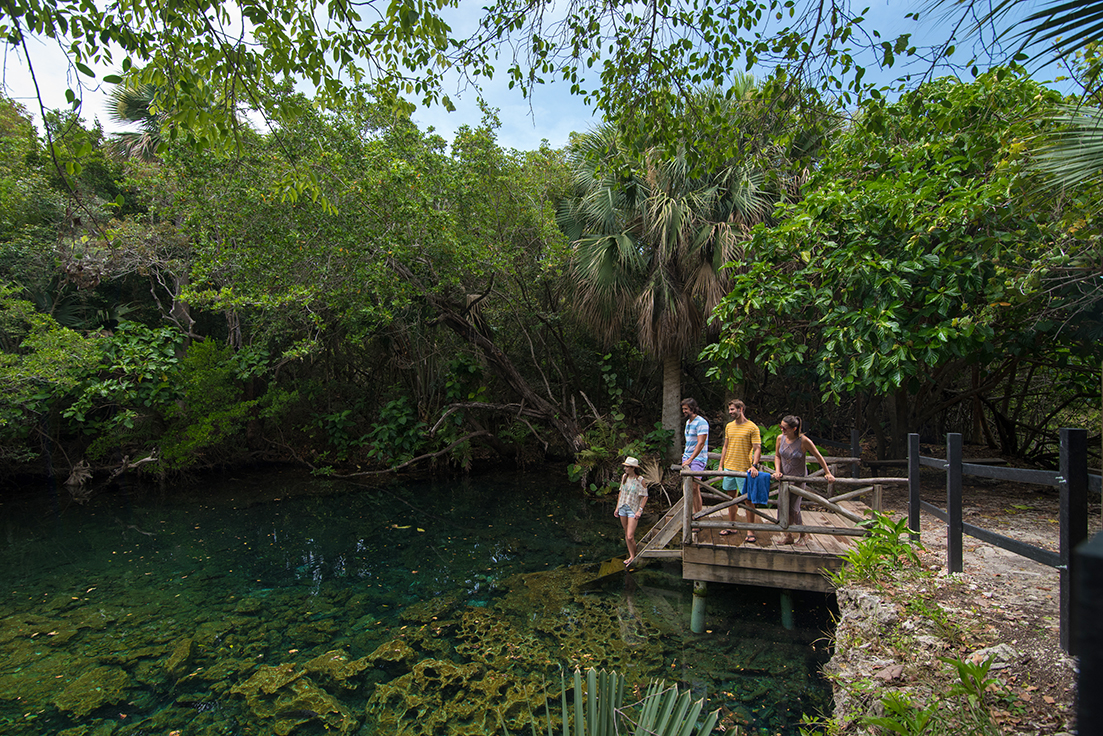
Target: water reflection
{"x": 279, "y": 603}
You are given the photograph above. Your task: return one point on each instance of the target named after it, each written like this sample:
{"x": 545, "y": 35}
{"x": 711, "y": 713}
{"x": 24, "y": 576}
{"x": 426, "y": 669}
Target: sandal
{"x": 726, "y": 532}
{"x": 751, "y": 539}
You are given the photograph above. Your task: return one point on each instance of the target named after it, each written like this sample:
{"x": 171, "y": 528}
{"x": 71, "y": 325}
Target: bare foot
{"x": 787, "y": 539}
{"x": 629, "y": 561}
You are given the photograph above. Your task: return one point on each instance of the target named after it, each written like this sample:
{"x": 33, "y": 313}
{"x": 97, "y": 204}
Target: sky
{"x": 550, "y": 115}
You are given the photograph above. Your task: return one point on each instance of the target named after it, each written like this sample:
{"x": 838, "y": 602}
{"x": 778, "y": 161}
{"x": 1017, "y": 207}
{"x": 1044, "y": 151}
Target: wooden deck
{"x": 830, "y": 524}
{"x": 712, "y": 557}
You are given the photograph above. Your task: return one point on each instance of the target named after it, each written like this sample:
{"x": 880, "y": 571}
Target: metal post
{"x": 1074, "y": 524}
{"x": 954, "y": 528}
{"x": 697, "y": 613}
{"x": 913, "y": 486}
{"x": 1088, "y": 597}
{"x": 855, "y": 451}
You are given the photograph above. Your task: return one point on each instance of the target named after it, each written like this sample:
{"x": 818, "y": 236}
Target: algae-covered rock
{"x": 249, "y": 605}
{"x": 26, "y": 625}
{"x": 96, "y": 618}
{"x": 267, "y": 680}
{"x": 335, "y": 668}
{"x": 303, "y": 702}
{"x": 427, "y": 610}
{"x": 96, "y": 687}
{"x": 395, "y": 651}
{"x": 285, "y": 698}
{"x": 104, "y": 728}
{"x": 209, "y": 632}
{"x": 488, "y": 637}
{"x": 439, "y": 697}
{"x": 314, "y": 632}
{"x": 180, "y": 659}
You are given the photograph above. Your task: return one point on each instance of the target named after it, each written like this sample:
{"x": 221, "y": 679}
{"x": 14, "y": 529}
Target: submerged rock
{"x": 335, "y": 668}
{"x": 286, "y": 698}
{"x": 180, "y": 659}
{"x": 303, "y": 702}
{"x": 96, "y": 687}
{"x": 442, "y": 698}
{"x": 267, "y": 680}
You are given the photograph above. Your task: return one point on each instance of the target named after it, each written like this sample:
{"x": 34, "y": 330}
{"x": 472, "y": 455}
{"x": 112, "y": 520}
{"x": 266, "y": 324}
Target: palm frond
{"x": 1074, "y": 154}
{"x": 1069, "y": 25}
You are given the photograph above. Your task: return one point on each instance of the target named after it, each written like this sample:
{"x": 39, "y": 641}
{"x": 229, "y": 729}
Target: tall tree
{"x": 913, "y": 255}
{"x": 650, "y": 241}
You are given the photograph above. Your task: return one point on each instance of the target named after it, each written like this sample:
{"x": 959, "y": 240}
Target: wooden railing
{"x": 788, "y": 485}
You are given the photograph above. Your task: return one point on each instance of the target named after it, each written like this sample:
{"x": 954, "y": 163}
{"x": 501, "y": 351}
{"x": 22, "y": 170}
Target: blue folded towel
{"x": 758, "y": 488}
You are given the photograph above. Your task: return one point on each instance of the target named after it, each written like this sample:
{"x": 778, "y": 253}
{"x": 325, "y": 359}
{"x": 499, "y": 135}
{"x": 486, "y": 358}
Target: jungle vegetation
{"x": 346, "y": 291}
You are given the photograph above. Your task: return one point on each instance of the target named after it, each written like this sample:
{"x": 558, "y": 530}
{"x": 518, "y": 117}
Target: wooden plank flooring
{"x": 766, "y": 562}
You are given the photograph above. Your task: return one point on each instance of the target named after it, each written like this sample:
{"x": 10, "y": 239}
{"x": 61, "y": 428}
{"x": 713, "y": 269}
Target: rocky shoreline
{"x": 897, "y": 640}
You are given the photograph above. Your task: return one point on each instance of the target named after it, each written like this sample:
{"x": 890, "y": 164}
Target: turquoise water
{"x": 280, "y": 603}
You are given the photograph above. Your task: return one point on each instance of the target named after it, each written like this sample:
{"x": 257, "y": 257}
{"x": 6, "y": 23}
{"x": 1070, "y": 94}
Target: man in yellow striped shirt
{"x": 742, "y": 453}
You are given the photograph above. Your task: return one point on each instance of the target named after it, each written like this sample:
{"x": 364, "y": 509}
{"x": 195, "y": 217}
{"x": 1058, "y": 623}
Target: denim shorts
{"x": 625, "y": 510}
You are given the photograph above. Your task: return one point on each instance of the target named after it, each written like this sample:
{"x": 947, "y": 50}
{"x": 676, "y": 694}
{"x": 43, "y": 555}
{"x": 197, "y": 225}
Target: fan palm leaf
{"x": 136, "y": 106}
{"x": 1073, "y": 154}
{"x": 651, "y": 232}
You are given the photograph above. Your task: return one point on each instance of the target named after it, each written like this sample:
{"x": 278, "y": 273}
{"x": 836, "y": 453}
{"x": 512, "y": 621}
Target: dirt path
{"x": 999, "y": 599}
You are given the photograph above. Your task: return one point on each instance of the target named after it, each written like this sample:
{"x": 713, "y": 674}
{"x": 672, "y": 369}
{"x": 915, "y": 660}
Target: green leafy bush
{"x": 964, "y": 710}
{"x": 887, "y": 546}
{"x": 398, "y": 435}
{"x": 212, "y": 407}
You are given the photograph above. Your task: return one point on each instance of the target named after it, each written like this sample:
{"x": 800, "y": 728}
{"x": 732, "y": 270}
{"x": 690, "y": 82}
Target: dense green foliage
{"x": 423, "y": 299}
{"x": 915, "y": 255}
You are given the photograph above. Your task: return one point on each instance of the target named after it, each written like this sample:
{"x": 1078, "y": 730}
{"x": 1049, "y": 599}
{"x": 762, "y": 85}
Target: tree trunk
{"x": 672, "y": 399}
{"x": 503, "y": 367}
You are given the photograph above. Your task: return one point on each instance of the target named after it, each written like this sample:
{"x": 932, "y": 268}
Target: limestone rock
{"x": 96, "y": 687}
{"x": 268, "y": 680}
{"x": 178, "y": 662}
{"x": 336, "y": 668}
{"x": 1003, "y": 656}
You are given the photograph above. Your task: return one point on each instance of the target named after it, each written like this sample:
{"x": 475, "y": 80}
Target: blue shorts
{"x": 625, "y": 510}
{"x": 697, "y": 464}
{"x": 734, "y": 483}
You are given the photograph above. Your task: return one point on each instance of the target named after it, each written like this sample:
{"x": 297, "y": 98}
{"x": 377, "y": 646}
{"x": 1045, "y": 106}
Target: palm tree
{"x": 650, "y": 244}
{"x": 130, "y": 105}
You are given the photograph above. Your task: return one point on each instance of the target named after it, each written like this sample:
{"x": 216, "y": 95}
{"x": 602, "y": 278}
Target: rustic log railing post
{"x": 954, "y": 527}
{"x": 855, "y": 451}
{"x": 687, "y": 512}
{"x": 1073, "y": 484}
{"x": 783, "y": 505}
{"x": 878, "y": 494}
{"x": 913, "y": 486}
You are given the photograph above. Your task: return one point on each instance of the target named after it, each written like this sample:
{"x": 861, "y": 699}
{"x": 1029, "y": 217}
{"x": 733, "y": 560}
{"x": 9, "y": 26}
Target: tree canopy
{"x": 915, "y": 253}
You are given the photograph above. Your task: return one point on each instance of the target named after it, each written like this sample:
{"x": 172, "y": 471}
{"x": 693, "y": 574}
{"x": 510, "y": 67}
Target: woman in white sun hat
{"x": 633, "y": 495}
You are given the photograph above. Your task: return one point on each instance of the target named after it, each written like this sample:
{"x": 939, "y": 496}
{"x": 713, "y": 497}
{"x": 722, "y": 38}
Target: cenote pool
{"x": 279, "y": 603}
